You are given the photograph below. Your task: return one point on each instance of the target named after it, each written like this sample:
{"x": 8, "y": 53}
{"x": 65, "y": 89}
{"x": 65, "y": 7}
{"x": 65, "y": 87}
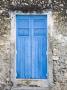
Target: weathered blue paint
{"x": 31, "y": 46}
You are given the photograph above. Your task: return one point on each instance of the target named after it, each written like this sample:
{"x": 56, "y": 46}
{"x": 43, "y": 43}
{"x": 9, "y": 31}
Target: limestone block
{"x": 65, "y": 75}
{"x": 55, "y": 58}
{"x": 55, "y": 51}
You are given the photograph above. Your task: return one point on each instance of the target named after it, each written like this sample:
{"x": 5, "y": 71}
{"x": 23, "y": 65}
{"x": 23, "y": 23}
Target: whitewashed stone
{"x": 65, "y": 75}
{"x": 55, "y": 58}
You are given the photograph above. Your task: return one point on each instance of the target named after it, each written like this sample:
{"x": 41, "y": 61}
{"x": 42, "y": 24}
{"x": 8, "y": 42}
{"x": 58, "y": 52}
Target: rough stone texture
{"x": 59, "y": 51}
{"x": 57, "y": 39}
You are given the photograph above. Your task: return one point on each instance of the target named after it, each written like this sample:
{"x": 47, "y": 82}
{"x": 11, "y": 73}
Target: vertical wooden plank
{"x": 22, "y": 55}
{"x": 28, "y": 50}
{"x": 35, "y": 55}
{"x": 18, "y": 72}
{"x": 31, "y": 43}
{"x": 43, "y": 58}
{"x": 28, "y": 68}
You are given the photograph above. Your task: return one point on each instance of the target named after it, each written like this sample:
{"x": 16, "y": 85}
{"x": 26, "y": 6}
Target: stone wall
{"x": 59, "y": 51}
{"x": 4, "y": 51}
{"x": 57, "y": 39}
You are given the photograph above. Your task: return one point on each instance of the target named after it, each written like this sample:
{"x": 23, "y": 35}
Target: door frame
{"x": 49, "y": 79}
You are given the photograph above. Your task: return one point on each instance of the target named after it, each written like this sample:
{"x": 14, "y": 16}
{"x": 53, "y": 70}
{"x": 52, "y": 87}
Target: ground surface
{"x": 31, "y": 88}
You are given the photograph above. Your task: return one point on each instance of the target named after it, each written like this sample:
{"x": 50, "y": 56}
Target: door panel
{"x": 31, "y": 45}
{"x": 39, "y": 58}
{"x": 39, "y": 47}
{"x": 40, "y": 32}
{"x": 23, "y": 59}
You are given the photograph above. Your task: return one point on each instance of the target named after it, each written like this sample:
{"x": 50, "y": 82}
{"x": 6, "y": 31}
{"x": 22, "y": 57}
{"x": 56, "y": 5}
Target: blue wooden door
{"x": 31, "y": 46}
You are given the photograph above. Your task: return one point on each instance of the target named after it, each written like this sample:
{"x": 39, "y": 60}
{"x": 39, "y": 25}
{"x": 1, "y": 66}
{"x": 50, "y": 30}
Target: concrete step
{"x": 31, "y": 88}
